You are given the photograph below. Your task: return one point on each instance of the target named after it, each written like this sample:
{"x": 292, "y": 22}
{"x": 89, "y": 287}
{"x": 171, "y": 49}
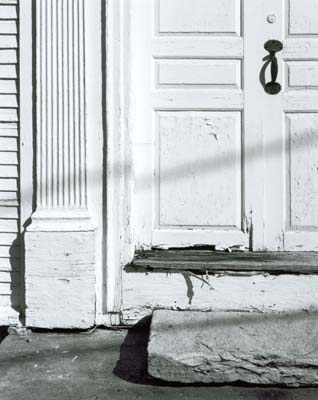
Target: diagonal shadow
{"x": 124, "y": 170}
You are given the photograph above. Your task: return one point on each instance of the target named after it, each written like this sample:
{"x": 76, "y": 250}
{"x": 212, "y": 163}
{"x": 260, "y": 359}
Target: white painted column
{"x": 60, "y": 242}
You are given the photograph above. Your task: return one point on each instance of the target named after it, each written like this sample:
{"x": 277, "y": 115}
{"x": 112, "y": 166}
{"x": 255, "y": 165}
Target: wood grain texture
{"x": 214, "y": 261}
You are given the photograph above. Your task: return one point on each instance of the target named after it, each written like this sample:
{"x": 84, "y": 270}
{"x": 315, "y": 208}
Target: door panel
{"x": 197, "y": 194}
{"x": 179, "y": 73}
{"x": 302, "y": 17}
{"x": 198, "y": 17}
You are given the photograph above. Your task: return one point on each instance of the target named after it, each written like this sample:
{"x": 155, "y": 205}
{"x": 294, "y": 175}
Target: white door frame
{"x": 119, "y": 245}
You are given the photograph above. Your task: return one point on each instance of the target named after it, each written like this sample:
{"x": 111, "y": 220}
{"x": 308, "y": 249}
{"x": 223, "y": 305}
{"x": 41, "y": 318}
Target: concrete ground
{"x": 104, "y": 364}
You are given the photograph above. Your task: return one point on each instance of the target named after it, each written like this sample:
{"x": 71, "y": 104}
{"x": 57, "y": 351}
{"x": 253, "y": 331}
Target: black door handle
{"x": 273, "y": 46}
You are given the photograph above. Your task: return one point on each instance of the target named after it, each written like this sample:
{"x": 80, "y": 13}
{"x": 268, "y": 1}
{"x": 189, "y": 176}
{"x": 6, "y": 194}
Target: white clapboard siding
{"x": 8, "y": 27}
{"x": 8, "y": 71}
{"x": 5, "y": 302}
{"x": 7, "y": 252}
{"x": 8, "y": 86}
{"x": 5, "y": 276}
{"x": 8, "y": 185}
{"x": 8, "y": 130}
{"x": 8, "y": 171}
{"x": 8, "y": 115}
{"x": 8, "y": 100}
{"x": 8, "y": 239}
{"x": 8, "y": 11}
{"x": 9, "y": 226}
{"x": 8, "y": 41}
{"x": 5, "y": 288}
{"x": 7, "y": 143}
{"x": 8, "y": 212}
{"x": 9, "y": 157}
{"x": 8, "y": 56}
{"x": 10, "y": 264}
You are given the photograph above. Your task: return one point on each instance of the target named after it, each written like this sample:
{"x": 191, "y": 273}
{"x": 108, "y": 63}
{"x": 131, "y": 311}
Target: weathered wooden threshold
{"x": 214, "y": 262}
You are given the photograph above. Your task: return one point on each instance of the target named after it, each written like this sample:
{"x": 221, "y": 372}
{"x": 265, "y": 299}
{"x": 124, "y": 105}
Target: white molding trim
{"x": 26, "y": 110}
{"x": 108, "y": 319}
{"x": 119, "y": 160}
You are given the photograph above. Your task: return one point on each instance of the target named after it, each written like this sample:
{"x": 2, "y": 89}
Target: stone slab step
{"x": 226, "y": 347}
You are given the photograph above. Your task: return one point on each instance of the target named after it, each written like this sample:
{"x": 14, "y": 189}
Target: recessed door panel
{"x": 198, "y": 16}
{"x": 198, "y": 174}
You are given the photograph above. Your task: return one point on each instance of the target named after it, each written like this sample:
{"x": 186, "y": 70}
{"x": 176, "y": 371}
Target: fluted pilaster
{"x": 60, "y": 241}
{"x": 60, "y": 90}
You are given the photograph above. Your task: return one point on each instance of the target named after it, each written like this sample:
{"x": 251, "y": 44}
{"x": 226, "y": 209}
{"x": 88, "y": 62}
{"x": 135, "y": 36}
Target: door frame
{"x": 118, "y": 175}
{"x": 131, "y": 295}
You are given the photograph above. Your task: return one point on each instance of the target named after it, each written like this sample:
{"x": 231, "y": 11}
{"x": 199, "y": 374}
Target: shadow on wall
{"x": 18, "y": 276}
{"x": 179, "y": 172}
{"x": 307, "y": 139}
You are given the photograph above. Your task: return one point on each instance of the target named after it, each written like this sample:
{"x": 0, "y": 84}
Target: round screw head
{"x": 271, "y": 18}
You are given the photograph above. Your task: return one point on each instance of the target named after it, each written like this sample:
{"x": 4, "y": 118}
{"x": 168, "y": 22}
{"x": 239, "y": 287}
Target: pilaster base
{"x": 60, "y": 274}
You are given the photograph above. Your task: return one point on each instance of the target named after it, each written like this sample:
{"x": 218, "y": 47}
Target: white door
{"x": 218, "y": 161}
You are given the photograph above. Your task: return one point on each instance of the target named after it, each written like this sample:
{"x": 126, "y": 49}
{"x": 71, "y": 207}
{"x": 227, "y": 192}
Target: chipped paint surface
{"x": 60, "y": 279}
{"x": 259, "y": 292}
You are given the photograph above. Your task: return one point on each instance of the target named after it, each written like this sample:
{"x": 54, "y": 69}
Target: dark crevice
{"x": 3, "y": 333}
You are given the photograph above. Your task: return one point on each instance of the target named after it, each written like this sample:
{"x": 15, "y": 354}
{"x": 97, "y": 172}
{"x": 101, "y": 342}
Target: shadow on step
{"x": 132, "y": 363}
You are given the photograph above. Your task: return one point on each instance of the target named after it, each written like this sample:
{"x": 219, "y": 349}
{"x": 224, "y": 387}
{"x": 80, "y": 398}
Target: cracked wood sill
{"x": 214, "y": 262}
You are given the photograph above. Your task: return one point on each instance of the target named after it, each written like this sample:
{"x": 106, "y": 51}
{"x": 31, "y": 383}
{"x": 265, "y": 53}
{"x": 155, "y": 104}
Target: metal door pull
{"x": 273, "y": 46}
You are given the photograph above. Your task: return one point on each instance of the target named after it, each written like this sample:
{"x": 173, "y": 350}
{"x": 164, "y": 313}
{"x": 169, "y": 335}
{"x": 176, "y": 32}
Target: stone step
{"x": 226, "y": 347}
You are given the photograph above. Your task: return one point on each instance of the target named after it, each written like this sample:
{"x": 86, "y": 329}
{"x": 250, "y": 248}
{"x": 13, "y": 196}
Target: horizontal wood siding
{"x": 9, "y": 157}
